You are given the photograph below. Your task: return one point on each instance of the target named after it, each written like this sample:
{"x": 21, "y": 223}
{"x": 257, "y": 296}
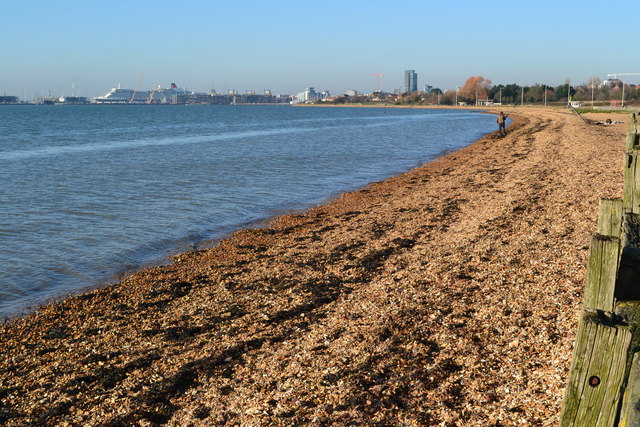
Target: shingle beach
{"x": 448, "y": 295}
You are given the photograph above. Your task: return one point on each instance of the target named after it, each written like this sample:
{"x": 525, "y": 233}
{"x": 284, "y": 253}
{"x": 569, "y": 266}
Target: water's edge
{"x": 208, "y": 239}
{"x": 211, "y": 241}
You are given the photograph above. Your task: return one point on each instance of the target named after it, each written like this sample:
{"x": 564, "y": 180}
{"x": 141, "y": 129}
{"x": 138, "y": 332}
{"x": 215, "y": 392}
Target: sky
{"x": 87, "y": 47}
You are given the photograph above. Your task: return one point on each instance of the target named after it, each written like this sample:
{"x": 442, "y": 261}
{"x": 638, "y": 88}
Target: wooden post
{"x": 601, "y": 273}
{"x": 597, "y": 372}
{"x": 630, "y": 408}
{"x": 630, "y": 412}
{"x": 610, "y": 217}
{"x": 633, "y": 132}
{"x": 631, "y": 196}
{"x": 631, "y": 168}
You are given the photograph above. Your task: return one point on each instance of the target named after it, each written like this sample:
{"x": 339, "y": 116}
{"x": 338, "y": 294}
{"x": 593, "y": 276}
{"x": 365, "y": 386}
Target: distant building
{"x": 310, "y": 95}
{"x": 410, "y": 81}
{"x": 8, "y": 99}
{"x": 428, "y": 89}
{"x": 352, "y": 93}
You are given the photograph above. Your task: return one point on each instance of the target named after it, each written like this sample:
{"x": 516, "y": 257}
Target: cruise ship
{"x": 130, "y": 96}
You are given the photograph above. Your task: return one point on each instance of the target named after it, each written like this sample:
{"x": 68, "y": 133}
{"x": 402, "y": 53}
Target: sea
{"x": 91, "y": 192}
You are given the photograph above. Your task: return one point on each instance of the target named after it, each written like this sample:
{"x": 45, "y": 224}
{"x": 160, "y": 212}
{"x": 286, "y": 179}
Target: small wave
{"x": 139, "y": 143}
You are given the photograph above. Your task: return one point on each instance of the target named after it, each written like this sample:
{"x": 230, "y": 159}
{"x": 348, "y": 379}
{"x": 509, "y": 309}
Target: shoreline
{"x": 447, "y": 293}
{"x": 160, "y": 254}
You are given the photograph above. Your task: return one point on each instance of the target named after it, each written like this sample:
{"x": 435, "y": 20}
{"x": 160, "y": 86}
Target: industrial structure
{"x": 377, "y": 76}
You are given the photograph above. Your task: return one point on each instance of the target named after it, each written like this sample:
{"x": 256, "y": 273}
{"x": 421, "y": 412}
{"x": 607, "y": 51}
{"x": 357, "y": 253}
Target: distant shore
{"x": 447, "y": 294}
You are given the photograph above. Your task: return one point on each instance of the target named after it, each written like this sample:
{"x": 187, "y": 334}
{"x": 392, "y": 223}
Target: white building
{"x": 309, "y": 95}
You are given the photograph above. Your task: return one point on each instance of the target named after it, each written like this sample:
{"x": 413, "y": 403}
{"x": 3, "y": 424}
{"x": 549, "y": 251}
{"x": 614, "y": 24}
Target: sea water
{"x": 88, "y": 193}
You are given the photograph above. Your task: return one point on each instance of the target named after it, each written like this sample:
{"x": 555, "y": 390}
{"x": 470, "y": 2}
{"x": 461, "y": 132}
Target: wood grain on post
{"x": 630, "y": 413}
{"x": 633, "y": 133}
{"x": 631, "y": 167}
{"x": 610, "y": 217}
{"x": 630, "y": 408}
{"x": 632, "y": 141}
{"x": 597, "y": 373}
{"x": 631, "y": 187}
{"x": 601, "y": 273}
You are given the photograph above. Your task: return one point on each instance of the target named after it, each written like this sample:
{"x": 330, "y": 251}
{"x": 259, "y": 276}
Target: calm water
{"x": 89, "y": 192}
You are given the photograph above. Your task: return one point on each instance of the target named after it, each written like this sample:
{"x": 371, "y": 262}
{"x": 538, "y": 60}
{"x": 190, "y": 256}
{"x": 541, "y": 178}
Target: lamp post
{"x": 457, "y": 89}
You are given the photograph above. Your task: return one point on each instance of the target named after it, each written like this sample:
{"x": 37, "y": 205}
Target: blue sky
{"x": 89, "y": 46}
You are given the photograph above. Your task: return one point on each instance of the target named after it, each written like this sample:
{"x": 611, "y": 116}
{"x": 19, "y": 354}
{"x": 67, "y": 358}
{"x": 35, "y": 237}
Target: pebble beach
{"x": 448, "y": 295}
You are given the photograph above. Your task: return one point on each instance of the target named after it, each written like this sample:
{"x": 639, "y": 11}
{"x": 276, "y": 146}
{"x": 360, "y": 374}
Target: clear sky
{"x": 86, "y": 47}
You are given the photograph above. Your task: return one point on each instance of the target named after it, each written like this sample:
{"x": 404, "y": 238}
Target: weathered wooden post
{"x": 597, "y": 372}
{"x": 610, "y": 217}
{"x": 632, "y": 168}
{"x": 601, "y": 273}
{"x": 604, "y": 382}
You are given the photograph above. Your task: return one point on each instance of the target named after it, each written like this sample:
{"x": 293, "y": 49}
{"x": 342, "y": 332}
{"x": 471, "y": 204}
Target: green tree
{"x": 564, "y": 91}
{"x": 510, "y": 93}
{"x": 534, "y": 94}
{"x": 634, "y": 92}
{"x": 581, "y": 93}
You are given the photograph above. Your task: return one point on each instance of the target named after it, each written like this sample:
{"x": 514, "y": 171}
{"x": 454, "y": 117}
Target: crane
{"x": 136, "y": 89}
{"x": 377, "y": 76}
{"x": 153, "y": 91}
{"x": 615, "y": 76}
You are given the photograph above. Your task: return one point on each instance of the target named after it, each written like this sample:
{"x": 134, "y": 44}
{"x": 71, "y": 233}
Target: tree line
{"x": 478, "y": 89}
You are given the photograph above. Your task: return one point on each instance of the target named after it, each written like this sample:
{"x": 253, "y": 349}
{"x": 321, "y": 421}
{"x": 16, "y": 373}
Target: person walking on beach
{"x": 502, "y": 121}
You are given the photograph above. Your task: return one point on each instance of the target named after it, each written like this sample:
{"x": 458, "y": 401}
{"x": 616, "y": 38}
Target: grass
{"x": 595, "y": 110}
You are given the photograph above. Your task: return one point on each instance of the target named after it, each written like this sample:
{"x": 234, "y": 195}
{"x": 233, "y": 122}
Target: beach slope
{"x": 446, "y": 295}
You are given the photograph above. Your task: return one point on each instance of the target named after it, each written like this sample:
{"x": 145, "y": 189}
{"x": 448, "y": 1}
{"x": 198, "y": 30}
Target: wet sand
{"x": 447, "y": 295}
